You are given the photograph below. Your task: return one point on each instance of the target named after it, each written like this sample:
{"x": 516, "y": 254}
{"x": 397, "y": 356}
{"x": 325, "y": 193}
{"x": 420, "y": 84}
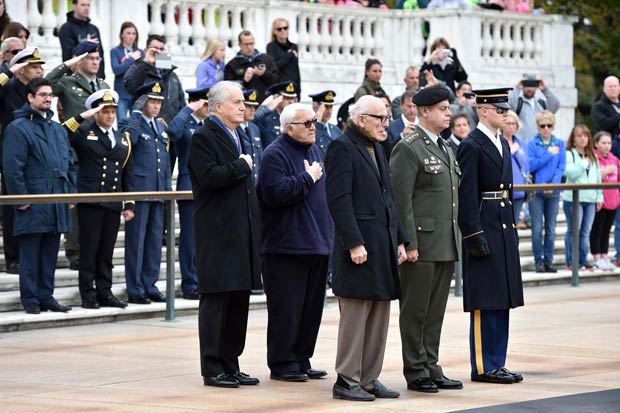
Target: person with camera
{"x": 520, "y": 166}
{"x": 444, "y": 64}
{"x": 251, "y": 68}
{"x": 529, "y": 97}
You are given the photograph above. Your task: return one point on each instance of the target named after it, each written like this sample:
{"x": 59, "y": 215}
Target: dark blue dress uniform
{"x": 181, "y": 128}
{"x": 102, "y": 170}
{"x": 252, "y": 144}
{"x": 267, "y": 120}
{"x": 150, "y": 172}
{"x": 491, "y": 268}
{"x": 325, "y": 132}
{"x": 37, "y": 160}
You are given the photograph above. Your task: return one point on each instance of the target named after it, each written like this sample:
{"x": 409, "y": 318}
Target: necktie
{"x": 200, "y": 123}
{"x": 442, "y": 146}
{"x": 236, "y": 140}
{"x": 93, "y": 87}
{"x": 329, "y": 133}
{"x": 154, "y": 127}
{"x": 107, "y": 135}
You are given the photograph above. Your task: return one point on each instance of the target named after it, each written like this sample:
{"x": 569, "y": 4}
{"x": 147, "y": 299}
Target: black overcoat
{"x": 492, "y": 282}
{"x": 226, "y": 214}
{"x": 362, "y": 206}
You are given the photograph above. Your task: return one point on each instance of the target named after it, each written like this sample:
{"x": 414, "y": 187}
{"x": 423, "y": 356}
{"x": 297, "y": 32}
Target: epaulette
{"x": 412, "y": 137}
{"x": 162, "y": 120}
{"x": 4, "y": 79}
{"x": 71, "y": 124}
{"x": 127, "y": 138}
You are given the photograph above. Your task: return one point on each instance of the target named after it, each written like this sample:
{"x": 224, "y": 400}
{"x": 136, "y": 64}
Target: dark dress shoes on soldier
{"x": 32, "y": 309}
{"x": 353, "y": 393}
{"x": 517, "y": 376}
{"x": 112, "y": 301}
{"x": 138, "y": 299}
{"x": 445, "y": 383}
{"x": 499, "y": 376}
{"x": 191, "y": 295}
{"x": 423, "y": 384}
{"x": 381, "y": 392}
{"x": 315, "y": 374}
{"x": 221, "y": 380}
{"x": 90, "y": 303}
{"x": 294, "y": 376}
{"x": 244, "y": 379}
{"x": 157, "y": 297}
{"x": 53, "y": 305}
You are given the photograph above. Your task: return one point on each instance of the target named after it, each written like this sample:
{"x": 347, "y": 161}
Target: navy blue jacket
{"x": 72, "y": 32}
{"x": 149, "y": 160}
{"x": 37, "y": 160}
{"x": 323, "y": 139}
{"x": 268, "y": 121}
{"x": 294, "y": 209}
{"x": 181, "y": 130}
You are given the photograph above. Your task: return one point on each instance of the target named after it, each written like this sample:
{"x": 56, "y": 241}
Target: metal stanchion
{"x": 575, "y": 237}
{"x": 170, "y": 290}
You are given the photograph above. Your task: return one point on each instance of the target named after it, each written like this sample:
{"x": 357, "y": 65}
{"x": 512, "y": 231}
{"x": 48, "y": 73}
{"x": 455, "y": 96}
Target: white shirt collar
{"x": 430, "y": 134}
{"x": 493, "y": 137}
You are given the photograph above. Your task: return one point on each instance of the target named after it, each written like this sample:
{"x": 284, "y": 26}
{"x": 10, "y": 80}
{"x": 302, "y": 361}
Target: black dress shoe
{"x": 192, "y": 295}
{"x": 540, "y": 267}
{"x": 112, "y": 301}
{"x": 54, "y": 306}
{"x": 12, "y": 268}
{"x": 32, "y": 309}
{"x": 315, "y": 374}
{"x": 517, "y": 376}
{"x": 423, "y": 384}
{"x": 244, "y": 379}
{"x": 221, "y": 380}
{"x": 294, "y": 376}
{"x": 157, "y": 297}
{"x": 138, "y": 299}
{"x": 447, "y": 384}
{"x": 353, "y": 393}
{"x": 549, "y": 268}
{"x": 498, "y": 376}
{"x": 74, "y": 265}
{"x": 90, "y": 303}
{"x": 381, "y": 392}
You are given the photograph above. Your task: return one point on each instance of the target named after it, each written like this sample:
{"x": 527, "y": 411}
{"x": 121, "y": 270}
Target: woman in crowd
{"x": 547, "y": 158}
{"x": 581, "y": 168}
{"x": 15, "y": 29}
{"x": 372, "y": 80}
{"x": 283, "y": 52}
{"x": 4, "y": 17}
{"x": 460, "y": 127}
{"x": 520, "y": 165}
{"x": 122, "y": 57}
{"x": 604, "y": 218}
{"x": 444, "y": 64}
{"x": 211, "y": 68}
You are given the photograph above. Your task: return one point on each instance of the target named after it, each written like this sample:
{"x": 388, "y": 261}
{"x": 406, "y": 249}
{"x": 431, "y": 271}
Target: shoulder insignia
{"x": 412, "y": 137}
{"x": 92, "y": 133}
{"x": 162, "y": 120}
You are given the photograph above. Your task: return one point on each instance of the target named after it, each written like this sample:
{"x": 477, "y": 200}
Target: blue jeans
{"x": 516, "y": 208}
{"x": 587, "y": 210}
{"x": 124, "y": 108}
{"x": 544, "y": 206}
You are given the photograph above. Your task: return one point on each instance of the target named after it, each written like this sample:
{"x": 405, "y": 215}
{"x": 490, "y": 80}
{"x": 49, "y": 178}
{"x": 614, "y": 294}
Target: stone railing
{"x": 495, "y": 48}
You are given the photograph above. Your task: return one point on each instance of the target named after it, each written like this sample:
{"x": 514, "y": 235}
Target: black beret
{"x": 430, "y": 96}
{"x": 85, "y": 46}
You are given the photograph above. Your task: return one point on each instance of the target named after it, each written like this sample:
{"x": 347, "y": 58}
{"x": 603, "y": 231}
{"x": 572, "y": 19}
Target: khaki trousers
{"x": 362, "y": 335}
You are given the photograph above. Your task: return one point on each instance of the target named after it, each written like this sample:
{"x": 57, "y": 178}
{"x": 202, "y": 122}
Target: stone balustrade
{"x": 495, "y": 48}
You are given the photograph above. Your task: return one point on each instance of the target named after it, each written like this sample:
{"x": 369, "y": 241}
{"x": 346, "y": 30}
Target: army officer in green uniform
{"x": 425, "y": 178}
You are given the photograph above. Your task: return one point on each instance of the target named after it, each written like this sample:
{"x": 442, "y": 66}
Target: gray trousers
{"x": 362, "y": 335}
{"x": 425, "y": 289}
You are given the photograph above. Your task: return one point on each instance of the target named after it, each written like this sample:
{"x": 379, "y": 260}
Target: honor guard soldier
{"x": 491, "y": 269}
{"x": 150, "y": 172}
{"x": 425, "y": 178}
{"x": 104, "y": 154}
{"x": 181, "y": 129}
{"x": 323, "y": 105}
{"x": 249, "y": 132}
{"x": 268, "y": 115}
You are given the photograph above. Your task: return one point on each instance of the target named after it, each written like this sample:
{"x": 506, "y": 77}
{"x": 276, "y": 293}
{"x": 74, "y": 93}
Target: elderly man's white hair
{"x": 220, "y": 92}
{"x": 363, "y": 105}
{"x": 289, "y": 113}
{"x": 6, "y": 42}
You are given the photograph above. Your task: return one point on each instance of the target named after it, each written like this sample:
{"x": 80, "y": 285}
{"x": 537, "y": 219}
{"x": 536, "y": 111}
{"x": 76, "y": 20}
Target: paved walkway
{"x": 565, "y": 341}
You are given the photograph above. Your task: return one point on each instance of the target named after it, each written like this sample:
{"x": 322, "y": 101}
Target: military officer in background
{"x": 249, "y": 132}
{"x": 425, "y": 178}
{"x": 323, "y": 106}
{"x": 491, "y": 269}
{"x": 268, "y": 115}
{"x": 181, "y": 129}
{"x": 151, "y": 172}
{"x": 104, "y": 153}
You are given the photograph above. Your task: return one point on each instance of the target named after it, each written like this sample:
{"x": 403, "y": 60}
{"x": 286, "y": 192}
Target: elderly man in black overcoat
{"x": 368, "y": 247}
{"x": 491, "y": 270}
{"x": 227, "y": 235}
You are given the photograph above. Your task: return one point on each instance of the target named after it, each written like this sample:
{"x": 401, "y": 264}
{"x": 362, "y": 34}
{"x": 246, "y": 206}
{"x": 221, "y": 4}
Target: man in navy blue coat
{"x": 297, "y": 240}
{"x": 323, "y": 105}
{"x": 182, "y": 127}
{"x": 491, "y": 268}
{"x": 151, "y": 172}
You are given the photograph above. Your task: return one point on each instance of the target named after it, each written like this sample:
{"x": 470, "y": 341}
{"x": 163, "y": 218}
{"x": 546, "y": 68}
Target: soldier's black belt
{"x": 494, "y": 195}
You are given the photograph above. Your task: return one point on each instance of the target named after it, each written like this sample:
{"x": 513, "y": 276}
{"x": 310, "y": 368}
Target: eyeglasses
{"x": 282, "y": 29}
{"x": 14, "y": 52}
{"x": 382, "y": 118}
{"x": 307, "y": 124}
{"x": 45, "y": 95}
{"x": 545, "y": 126}
{"x": 246, "y": 44}
{"x": 499, "y": 111}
